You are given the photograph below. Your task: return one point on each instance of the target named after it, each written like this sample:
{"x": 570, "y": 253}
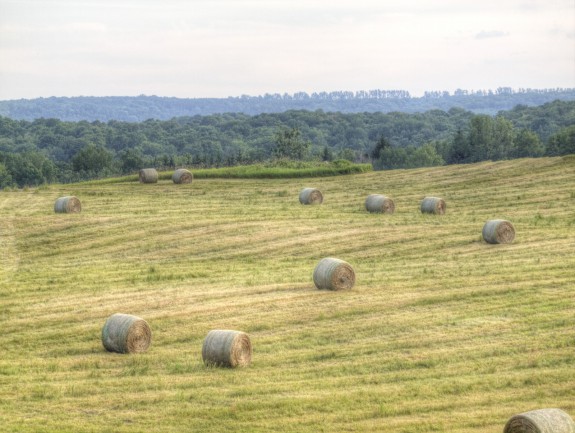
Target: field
{"x": 442, "y": 331}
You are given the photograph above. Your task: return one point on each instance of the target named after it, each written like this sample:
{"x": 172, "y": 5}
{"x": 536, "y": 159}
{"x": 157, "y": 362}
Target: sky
{"x": 220, "y": 48}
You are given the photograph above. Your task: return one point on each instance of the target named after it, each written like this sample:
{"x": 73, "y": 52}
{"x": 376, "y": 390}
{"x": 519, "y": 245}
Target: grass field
{"x": 442, "y": 331}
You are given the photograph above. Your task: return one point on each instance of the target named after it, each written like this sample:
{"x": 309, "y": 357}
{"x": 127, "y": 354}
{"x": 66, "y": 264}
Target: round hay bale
{"x": 434, "y": 205}
{"x": 333, "y": 274}
{"x": 498, "y": 232}
{"x": 181, "y": 175}
{"x": 124, "y": 333}
{"x": 68, "y": 204}
{"x": 541, "y": 421}
{"x": 378, "y": 203}
{"x": 310, "y": 196}
{"x": 148, "y": 175}
{"x": 224, "y": 348}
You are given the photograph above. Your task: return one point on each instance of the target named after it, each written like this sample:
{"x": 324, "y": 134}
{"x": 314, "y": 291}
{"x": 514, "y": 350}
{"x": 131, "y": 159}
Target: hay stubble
{"x": 438, "y": 324}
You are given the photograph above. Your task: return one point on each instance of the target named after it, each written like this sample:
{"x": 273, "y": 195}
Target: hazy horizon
{"x": 469, "y": 92}
{"x": 229, "y": 48}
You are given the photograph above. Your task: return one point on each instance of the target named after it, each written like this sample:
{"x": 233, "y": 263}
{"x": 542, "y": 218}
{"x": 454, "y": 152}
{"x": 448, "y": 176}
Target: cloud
{"x": 219, "y": 48}
{"x": 491, "y": 34}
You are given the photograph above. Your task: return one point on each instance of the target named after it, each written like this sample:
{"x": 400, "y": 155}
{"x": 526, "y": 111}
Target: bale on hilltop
{"x": 333, "y": 274}
{"x": 378, "y": 203}
{"x": 148, "y": 175}
{"x": 498, "y": 232}
{"x": 68, "y": 204}
{"x": 310, "y": 196}
{"x": 433, "y": 205}
{"x": 541, "y": 421}
{"x": 181, "y": 175}
{"x": 124, "y": 333}
{"x": 226, "y": 348}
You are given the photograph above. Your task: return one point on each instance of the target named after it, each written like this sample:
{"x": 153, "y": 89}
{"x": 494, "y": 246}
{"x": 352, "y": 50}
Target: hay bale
{"x": 68, "y": 204}
{"x": 434, "y": 205}
{"x": 310, "y": 196}
{"x": 541, "y": 421}
{"x": 333, "y": 274}
{"x": 124, "y": 333}
{"x": 148, "y": 175}
{"x": 498, "y": 232}
{"x": 224, "y": 348}
{"x": 378, "y": 203}
{"x": 181, "y": 175}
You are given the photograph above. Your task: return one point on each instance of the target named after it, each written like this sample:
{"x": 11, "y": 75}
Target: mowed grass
{"x": 442, "y": 332}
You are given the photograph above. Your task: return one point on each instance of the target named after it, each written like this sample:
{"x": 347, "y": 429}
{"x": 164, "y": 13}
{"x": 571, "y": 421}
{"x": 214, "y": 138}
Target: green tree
{"x": 131, "y": 160}
{"x": 562, "y": 143}
{"x": 390, "y": 158}
{"x": 480, "y": 137}
{"x": 381, "y": 145}
{"x": 327, "y": 154}
{"x": 92, "y": 160}
{"x": 290, "y": 144}
{"x": 5, "y": 176}
{"x": 442, "y": 148}
{"x": 408, "y": 157}
{"x": 347, "y": 154}
{"x": 527, "y": 144}
{"x": 490, "y": 138}
{"x": 425, "y": 156}
{"x": 30, "y": 168}
{"x": 502, "y": 140}
{"x": 460, "y": 151}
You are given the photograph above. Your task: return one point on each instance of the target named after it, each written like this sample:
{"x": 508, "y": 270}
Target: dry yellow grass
{"x": 441, "y": 332}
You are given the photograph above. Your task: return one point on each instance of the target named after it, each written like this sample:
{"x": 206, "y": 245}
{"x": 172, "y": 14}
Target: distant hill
{"x": 141, "y": 108}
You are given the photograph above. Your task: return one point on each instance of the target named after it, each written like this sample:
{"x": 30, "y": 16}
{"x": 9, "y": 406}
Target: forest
{"x": 140, "y": 108}
{"x": 49, "y": 150}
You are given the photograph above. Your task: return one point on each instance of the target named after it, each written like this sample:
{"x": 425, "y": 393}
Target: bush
{"x": 562, "y": 143}
{"x": 408, "y": 157}
{"x": 5, "y": 177}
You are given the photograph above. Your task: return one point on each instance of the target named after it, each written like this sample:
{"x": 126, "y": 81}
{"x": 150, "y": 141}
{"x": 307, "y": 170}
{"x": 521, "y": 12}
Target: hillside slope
{"x": 442, "y": 332}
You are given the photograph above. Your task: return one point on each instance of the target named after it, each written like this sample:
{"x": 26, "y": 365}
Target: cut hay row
{"x": 377, "y": 203}
{"x": 129, "y": 334}
{"x": 494, "y": 231}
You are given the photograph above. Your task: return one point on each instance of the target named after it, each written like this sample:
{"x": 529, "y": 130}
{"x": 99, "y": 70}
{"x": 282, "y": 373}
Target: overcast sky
{"x": 219, "y": 48}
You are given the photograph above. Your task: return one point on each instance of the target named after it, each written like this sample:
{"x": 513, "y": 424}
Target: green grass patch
{"x": 271, "y": 170}
{"x": 284, "y": 170}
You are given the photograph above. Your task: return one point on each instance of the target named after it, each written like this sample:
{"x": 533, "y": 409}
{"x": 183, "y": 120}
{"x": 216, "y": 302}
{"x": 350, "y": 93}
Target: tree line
{"x": 50, "y": 150}
{"x": 140, "y": 108}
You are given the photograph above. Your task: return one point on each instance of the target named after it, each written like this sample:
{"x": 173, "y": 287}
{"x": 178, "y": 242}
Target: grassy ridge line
{"x": 263, "y": 172}
{"x": 258, "y": 171}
